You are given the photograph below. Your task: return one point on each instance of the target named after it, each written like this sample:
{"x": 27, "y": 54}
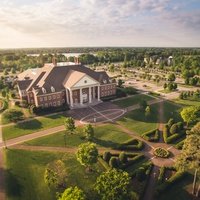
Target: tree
{"x": 120, "y": 82}
{"x": 55, "y": 174}
{"x": 189, "y": 114}
{"x": 3, "y": 93}
{"x": 113, "y": 185}
{"x": 143, "y": 104}
{"x": 165, "y": 86}
{"x": 190, "y": 158}
{"x": 72, "y": 193}
{"x": 87, "y": 154}
{"x": 147, "y": 111}
{"x": 171, "y": 77}
{"x": 13, "y": 115}
{"x": 89, "y": 131}
{"x": 196, "y": 129}
{"x": 70, "y": 125}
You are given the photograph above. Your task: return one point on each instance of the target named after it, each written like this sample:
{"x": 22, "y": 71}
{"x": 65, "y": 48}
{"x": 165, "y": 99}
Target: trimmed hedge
{"x": 152, "y": 136}
{"x": 161, "y": 152}
{"x": 4, "y": 105}
{"x": 132, "y": 161}
{"x": 104, "y": 163}
{"x": 170, "y": 182}
{"x": 42, "y": 110}
{"x": 179, "y": 145}
{"x": 132, "y": 144}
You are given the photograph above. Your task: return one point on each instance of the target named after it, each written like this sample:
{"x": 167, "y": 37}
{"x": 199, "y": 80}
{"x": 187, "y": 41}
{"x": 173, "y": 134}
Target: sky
{"x": 71, "y": 23}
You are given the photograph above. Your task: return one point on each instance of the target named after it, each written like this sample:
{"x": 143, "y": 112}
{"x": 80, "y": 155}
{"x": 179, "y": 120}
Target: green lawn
{"x": 137, "y": 122}
{"x": 25, "y": 175}
{"x": 171, "y": 110}
{"x": 187, "y": 102}
{"x": 132, "y": 100}
{"x": 106, "y": 136}
{"x": 32, "y": 126}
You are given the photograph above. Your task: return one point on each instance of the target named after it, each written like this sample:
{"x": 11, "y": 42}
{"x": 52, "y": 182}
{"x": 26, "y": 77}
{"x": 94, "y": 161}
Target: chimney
{"x": 54, "y": 61}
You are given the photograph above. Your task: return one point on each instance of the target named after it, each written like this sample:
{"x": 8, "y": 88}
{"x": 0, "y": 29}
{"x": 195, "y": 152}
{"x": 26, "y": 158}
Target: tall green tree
{"x": 88, "y": 131}
{"x": 55, "y": 174}
{"x": 188, "y": 114}
{"x": 113, "y": 185}
{"x": 87, "y": 154}
{"x": 190, "y": 157}
{"x": 72, "y": 193}
{"x": 70, "y": 125}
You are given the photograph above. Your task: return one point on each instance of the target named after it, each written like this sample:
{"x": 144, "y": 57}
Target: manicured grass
{"x": 187, "y": 102}
{"x": 32, "y": 126}
{"x": 25, "y": 175}
{"x": 137, "y": 122}
{"x": 171, "y": 110}
{"x": 132, "y": 100}
{"x": 106, "y": 136}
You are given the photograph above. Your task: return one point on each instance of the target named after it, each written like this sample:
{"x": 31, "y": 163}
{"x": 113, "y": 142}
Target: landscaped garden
{"x": 161, "y": 152}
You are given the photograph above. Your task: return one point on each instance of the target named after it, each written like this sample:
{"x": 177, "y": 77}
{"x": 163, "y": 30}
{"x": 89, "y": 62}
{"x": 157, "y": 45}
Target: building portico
{"x": 78, "y": 97}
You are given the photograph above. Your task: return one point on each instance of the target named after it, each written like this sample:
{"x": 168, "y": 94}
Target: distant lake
{"x": 65, "y": 54}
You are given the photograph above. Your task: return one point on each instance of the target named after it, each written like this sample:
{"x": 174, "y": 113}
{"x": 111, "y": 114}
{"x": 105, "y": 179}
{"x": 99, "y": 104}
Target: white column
{"x": 81, "y": 97}
{"x": 94, "y": 92}
{"x": 67, "y": 96}
{"x": 71, "y": 99}
{"x": 98, "y": 93}
{"x": 90, "y": 95}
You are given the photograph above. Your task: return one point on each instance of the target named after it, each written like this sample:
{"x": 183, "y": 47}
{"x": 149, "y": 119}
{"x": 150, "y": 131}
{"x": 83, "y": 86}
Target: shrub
{"x": 130, "y": 90}
{"x": 179, "y": 145}
{"x": 42, "y": 110}
{"x": 104, "y": 163}
{"x": 132, "y": 144}
{"x": 171, "y": 181}
{"x": 113, "y": 162}
{"x": 152, "y": 136}
{"x": 4, "y": 105}
{"x": 160, "y": 152}
{"x": 165, "y": 133}
{"x": 173, "y": 129}
{"x": 140, "y": 174}
{"x": 13, "y": 115}
{"x": 120, "y": 93}
{"x": 123, "y": 157}
{"x": 180, "y": 126}
{"x": 170, "y": 122}
{"x": 107, "y": 156}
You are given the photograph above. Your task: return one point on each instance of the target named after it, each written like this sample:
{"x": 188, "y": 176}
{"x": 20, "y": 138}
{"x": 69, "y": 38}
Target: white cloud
{"x": 93, "y": 22}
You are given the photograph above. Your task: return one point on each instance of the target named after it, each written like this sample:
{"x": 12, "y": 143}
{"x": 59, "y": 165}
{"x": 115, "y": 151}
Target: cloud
{"x": 95, "y": 21}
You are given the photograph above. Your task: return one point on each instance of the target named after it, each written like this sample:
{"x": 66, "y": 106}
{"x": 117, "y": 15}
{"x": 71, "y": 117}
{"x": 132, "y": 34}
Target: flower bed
{"x": 160, "y": 152}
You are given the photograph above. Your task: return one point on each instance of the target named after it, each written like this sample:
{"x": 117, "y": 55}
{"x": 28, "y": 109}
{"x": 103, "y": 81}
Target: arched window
{"x": 44, "y": 90}
{"x": 52, "y": 89}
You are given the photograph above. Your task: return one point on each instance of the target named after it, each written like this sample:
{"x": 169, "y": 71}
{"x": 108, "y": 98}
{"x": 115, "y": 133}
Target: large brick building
{"x": 64, "y": 83}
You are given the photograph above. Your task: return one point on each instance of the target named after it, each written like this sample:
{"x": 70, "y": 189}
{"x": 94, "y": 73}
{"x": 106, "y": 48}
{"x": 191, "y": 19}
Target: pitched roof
{"x": 60, "y": 76}
{"x": 72, "y": 78}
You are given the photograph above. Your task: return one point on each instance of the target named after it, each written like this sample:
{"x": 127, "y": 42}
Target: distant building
{"x": 69, "y": 83}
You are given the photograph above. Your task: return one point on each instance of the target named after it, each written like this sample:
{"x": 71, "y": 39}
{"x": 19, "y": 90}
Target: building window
{"x": 85, "y": 81}
{"x": 50, "y": 104}
{"x": 58, "y": 96}
{"x": 58, "y": 103}
{"x": 44, "y": 90}
{"x": 49, "y": 97}
{"x": 63, "y": 100}
{"x": 32, "y": 101}
{"x": 54, "y": 103}
{"x": 46, "y": 104}
{"x": 31, "y": 95}
{"x": 54, "y": 96}
{"x": 52, "y": 89}
{"x": 41, "y": 99}
{"x": 45, "y": 98}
